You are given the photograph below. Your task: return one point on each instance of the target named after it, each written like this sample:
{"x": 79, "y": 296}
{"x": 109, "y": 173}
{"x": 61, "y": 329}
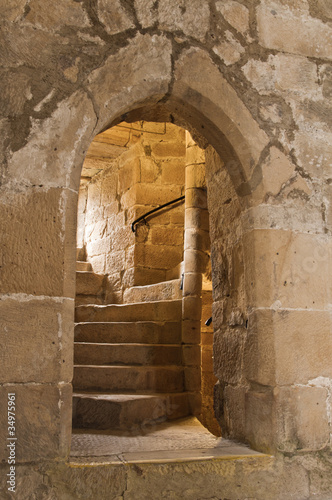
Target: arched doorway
{"x": 130, "y": 170}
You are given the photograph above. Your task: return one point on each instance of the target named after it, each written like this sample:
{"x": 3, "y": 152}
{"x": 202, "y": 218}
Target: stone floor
{"x": 183, "y": 440}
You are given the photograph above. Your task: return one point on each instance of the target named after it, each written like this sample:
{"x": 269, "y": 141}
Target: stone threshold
{"x": 185, "y": 440}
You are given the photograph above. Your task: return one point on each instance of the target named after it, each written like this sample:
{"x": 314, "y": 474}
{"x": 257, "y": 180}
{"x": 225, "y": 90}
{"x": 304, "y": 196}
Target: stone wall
{"x": 253, "y": 80}
{"x": 148, "y": 174}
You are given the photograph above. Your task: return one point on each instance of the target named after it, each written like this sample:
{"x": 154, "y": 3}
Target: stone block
{"x": 108, "y": 187}
{"x": 38, "y": 246}
{"x": 260, "y": 420}
{"x": 278, "y": 28}
{"x": 72, "y": 123}
{"x": 195, "y": 261}
{"x": 288, "y": 347}
{"x": 191, "y": 355}
{"x": 192, "y": 378}
{"x": 207, "y": 359}
{"x": 192, "y": 284}
{"x": 229, "y": 50}
{"x": 13, "y": 10}
{"x": 146, "y": 276}
{"x": 196, "y": 198}
{"x": 196, "y": 239}
{"x": 195, "y": 156}
{"x": 219, "y": 103}
{"x": 276, "y": 171}
{"x": 191, "y": 16}
{"x": 94, "y": 196}
{"x": 96, "y": 231}
{"x": 156, "y": 195}
{"x": 195, "y": 176}
{"x": 116, "y": 223}
{"x": 191, "y": 308}
{"x": 232, "y": 416}
{"x": 228, "y": 355}
{"x": 236, "y": 14}
{"x": 37, "y": 340}
{"x": 166, "y": 236}
{"x": 111, "y": 209}
{"x": 15, "y": 93}
{"x": 113, "y": 16}
{"x": 43, "y": 421}
{"x": 168, "y": 149}
{"x": 115, "y": 262}
{"x": 144, "y": 64}
{"x": 98, "y": 263}
{"x": 158, "y": 256}
{"x": 286, "y": 269}
{"x": 54, "y": 17}
{"x": 303, "y": 422}
{"x": 149, "y": 170}
{"x": 93, "y": 215}
{"x": 146, "y": 12}
{"x": 129, "y": 174}
{"x": 197, "y": 218}
{"x": 191, "y": 331}
{"x": 173, "y": 172}
{"x": 98, "y": 247}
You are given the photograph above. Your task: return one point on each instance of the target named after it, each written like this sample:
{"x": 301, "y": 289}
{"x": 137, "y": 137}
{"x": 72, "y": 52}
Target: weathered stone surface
{"x": 235, "y": 14}
{"x": 277, "y": 169}
{"x": 287, "y": 269}
{"x": 190, "y": 16}
{"x": 145, "y": 66}
{"x": 199, "y": 78}
{"x": 229, "y": 50}
{"x": 43, "y": 421}
{"x": 303, "y": 421}
{"x": 284, "y": 74}
{"x": 228, "y": 354}
{"x": 30, "y": 165}
{"x": 48, "y": 233}
{"x": 283, "y": 347}
{"x": 11, "y": 11}
{"x": 146, "y": 11}
{"x": 113, "y": 16}
{"x": 40, "y": 331}
{"x": 278, "y": 28}
{"x": 16, "y": 92}
{"x": 55, "y": 16}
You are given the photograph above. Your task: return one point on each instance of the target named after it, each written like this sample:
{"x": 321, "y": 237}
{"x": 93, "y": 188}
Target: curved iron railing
{"x": 142, "y": 217}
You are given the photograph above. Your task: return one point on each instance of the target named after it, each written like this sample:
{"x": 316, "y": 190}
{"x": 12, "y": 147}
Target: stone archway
{"x": 258, "y": 390}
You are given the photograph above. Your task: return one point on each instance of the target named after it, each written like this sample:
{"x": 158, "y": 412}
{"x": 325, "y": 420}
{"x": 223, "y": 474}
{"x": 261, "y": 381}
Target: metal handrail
{"x": 153, "y": 211}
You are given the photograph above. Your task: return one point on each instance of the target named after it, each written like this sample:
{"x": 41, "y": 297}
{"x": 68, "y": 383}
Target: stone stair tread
{"x": 149, "y": 332}
{"x": 166, "y": 310}
{"x": 82, "y": 265}
{"x": 134, "y": 367}
{"x": 164, "y": 290}
{"x": 105, "y": 410}
{"x": 138, "y": 344}
{"x": 124, "y": 378}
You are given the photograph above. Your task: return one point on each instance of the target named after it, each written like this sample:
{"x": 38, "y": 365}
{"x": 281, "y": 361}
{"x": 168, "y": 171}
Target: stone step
{"x": 89, "y": 283}
{"x": 126, "y": 411}
{"x": 166, "y": 290}
{"x": 123, "y": 379}
{"x": 126, "y": 354}
{"x": 83, "y": 266}
{"x": 81, "y": 300}
{"x": 176, "y": 272}
{"x": 146, "y": 332}
{"x": 168, "y": 310}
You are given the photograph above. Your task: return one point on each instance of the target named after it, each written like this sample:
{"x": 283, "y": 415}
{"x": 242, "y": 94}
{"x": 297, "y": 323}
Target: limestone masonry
{"x": 108, "y": 109}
